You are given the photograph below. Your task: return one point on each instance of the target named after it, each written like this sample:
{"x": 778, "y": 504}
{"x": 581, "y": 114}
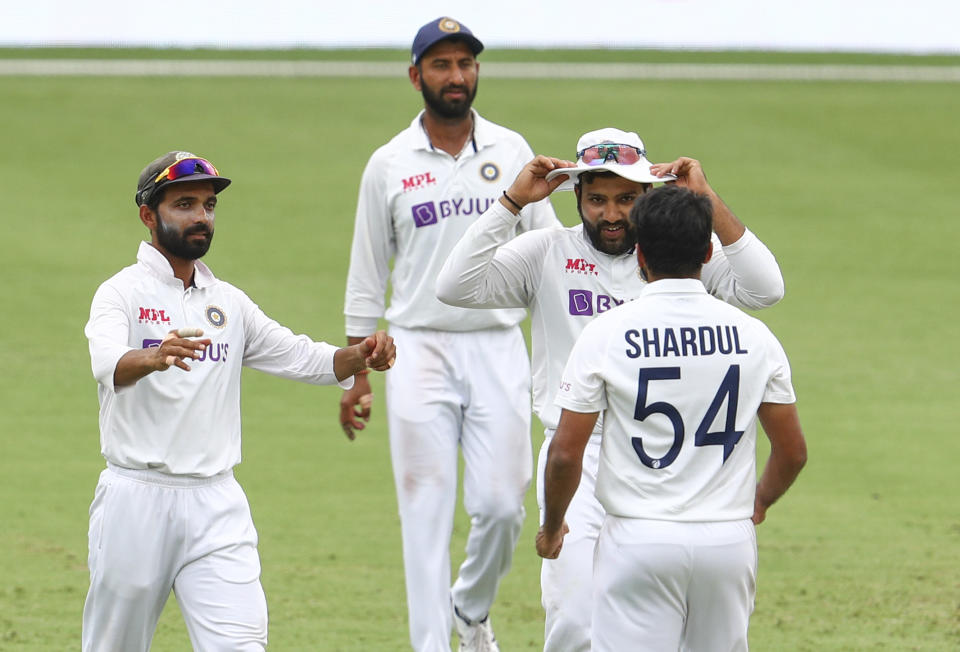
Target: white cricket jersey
{"x": 680, "y": 376}
{"x": 176, "y": 421}
{"x": 415, "y": 203}
{"x": 566, "y": 282}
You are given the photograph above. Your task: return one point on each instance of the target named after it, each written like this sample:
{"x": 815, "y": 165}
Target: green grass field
{"x": 848, "y": 183}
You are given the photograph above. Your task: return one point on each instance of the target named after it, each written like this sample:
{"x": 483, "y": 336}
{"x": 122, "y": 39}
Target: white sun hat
{"x": 608, "y": 158}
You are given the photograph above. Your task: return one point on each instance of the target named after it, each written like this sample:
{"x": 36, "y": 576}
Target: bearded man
{"x": 463, "y": 381}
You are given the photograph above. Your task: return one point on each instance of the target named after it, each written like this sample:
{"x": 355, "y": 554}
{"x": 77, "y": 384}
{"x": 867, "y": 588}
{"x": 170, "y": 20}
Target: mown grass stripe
{"x": 515, "y": 70}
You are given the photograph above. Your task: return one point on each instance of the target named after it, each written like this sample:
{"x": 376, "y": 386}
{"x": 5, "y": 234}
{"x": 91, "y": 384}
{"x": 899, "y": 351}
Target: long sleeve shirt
{"x": 415, "y": 203}
{"x": 565, "y": 282}
{"x": 186, "y": 422}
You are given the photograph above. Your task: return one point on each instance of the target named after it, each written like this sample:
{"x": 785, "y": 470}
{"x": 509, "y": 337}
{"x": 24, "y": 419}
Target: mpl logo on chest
{"x": 418, "y": 181}
{"x": 580, "y": 266}
{"x": 153, "y": 316}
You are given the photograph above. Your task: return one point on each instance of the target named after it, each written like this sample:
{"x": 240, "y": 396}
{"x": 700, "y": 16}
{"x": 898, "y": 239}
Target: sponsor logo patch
{"x": 585, "y": 303}
{"x": 581, "y": 302}
{"x": 213, "y": 353}
{"x": 430, "y": 212}
{"x": 216, "y": 317}
{"x": 424, "y": 214}
{"x": 418, "y": 181}
{"x": 153, "y": 316}
{"x": 580, "y": 266}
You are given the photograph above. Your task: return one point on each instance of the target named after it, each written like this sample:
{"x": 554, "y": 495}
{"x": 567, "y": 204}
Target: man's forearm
{"x": 788, "y": 451}
{"x": 725, "y": 224}
{"x": 133, "y": 366}
{"x": 349, "y": 360}
{"x": 564, "y": 465}
{"x": 561, "y": 479}
{"x": 780, "y": 472}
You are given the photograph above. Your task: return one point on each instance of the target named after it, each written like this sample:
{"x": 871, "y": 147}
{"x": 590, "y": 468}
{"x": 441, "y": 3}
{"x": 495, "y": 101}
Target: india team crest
{"x": 449, "y": 25}
{"x": 489, "y": 171}
{"x": 216, "y": 317}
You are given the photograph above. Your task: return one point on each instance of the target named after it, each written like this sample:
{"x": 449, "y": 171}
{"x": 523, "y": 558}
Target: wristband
{"x": 515, "y": 204}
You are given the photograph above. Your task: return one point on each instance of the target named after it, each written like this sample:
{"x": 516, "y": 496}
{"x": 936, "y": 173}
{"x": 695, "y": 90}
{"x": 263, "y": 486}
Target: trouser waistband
{"x": 168, "y": 479}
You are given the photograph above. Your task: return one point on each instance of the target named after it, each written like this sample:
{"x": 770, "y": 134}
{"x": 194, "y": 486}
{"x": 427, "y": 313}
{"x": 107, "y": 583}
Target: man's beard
{"x": 179, "y": 244}
{"x": 625, "y": 245}
{"x": 447, "y": 109}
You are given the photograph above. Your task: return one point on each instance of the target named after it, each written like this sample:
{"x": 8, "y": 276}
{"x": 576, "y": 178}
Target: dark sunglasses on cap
{"x": 186, "y": 167}
{"x": 618, "y": 153}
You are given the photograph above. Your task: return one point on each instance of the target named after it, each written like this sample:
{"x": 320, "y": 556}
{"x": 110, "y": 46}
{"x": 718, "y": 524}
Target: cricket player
{"x": 463, "y": 381}
{"x": 167, "y": 341}
{"x": 681, "y": 379}
{"x": 566, "y": 277}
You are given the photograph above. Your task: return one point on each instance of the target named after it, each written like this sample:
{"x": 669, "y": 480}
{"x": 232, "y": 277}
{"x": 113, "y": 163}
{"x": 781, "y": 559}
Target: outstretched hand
{"x": 377, "y": 352}
{"x": 531, "y": 184}
{"x": 175, "y": 346}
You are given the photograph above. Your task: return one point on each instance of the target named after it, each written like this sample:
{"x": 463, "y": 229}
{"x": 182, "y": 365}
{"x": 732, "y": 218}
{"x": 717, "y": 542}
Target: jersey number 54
{"x": 728, "y": 437}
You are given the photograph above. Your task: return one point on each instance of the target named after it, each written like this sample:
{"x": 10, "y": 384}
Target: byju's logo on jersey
{"x": 418, "y": 181}
{"x": 424, "y": 214}
{"x": 431, "y": 213}
{"x": 153, "y": 316}
{"x": 584, "y": 303}
{"x": 213, "y": 353}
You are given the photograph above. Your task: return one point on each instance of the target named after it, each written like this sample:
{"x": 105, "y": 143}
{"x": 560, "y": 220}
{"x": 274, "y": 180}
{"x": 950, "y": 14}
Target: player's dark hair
{"x": 588, "y": 177}
{"x": 673, "y": 227}
{"x": 454, "y": 38}
{"x": 155, "y": 198}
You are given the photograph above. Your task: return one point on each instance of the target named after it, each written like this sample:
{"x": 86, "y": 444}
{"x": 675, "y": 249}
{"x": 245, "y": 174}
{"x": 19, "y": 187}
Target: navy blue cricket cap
{"x": 176, "y": 167}
{"x": 441, "y": 29}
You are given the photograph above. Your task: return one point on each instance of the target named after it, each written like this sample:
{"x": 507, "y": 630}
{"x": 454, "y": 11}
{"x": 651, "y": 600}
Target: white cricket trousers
{"x": 472, "y": 390}
{"x": 566, "y": 583}
{"x": 152, "y": 532}
{"x": 663, "y": 586}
